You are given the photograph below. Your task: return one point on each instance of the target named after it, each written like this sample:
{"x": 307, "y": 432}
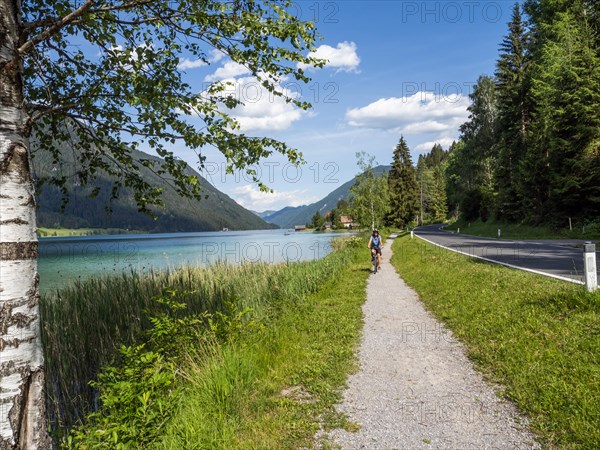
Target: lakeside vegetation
{"x": 226, "y": 356}
{"x": 524, "y": 231}
{"x": 62, "y": 232}
{"x": 536, "y": 336}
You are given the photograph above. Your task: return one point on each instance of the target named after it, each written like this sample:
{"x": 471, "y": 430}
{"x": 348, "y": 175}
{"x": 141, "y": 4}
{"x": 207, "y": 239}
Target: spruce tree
{"x": 474, "y": 163}
{"x": 403, "y": 188}
{"x": 433, "y": 203}
{"x": 438, "y": 198}
{"x": 563, "y": 166}
{"x": 317, "y": 220}
{"x": 513, "y": 116}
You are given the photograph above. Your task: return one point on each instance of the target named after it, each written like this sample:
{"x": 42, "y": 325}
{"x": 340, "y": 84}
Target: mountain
{"x": 264, "y": 214}
{"x": 290, "y": 216}
{"x": 285, "y": 217}
{"x": 214, "y": 212}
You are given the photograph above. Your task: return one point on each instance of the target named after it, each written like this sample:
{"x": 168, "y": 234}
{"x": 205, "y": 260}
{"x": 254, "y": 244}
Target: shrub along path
{"x": 416, "y": 388}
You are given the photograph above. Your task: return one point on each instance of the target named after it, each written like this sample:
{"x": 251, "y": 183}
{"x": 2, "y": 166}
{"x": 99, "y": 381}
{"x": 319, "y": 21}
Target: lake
{"x": 65, "y": 259}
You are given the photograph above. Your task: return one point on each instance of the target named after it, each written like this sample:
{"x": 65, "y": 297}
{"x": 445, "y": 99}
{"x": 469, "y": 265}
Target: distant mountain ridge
{"x": 264, "y": 213}
{"x": 214, "y": 212}
{"x": 290, "y": 216}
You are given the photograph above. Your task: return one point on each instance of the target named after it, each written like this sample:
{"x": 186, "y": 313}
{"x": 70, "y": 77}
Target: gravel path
{"x": 416, "y": 388}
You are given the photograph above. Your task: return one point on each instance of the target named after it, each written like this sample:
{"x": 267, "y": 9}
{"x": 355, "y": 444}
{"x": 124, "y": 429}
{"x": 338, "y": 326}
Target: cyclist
{"x": 375, "y": 243}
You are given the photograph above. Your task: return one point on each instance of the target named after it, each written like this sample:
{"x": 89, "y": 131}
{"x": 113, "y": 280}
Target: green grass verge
{"x": 62, "y": 232}
{"x": 540, "y": 338}
{"x": 522, "y": 231}
{"x": 276, "y": 388}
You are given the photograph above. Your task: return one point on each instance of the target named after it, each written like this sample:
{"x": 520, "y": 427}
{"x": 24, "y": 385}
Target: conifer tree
{"x": 513, "y": 115}
{"x": 474, "y": 161}
{"x": 403, "y": 188}
{"x": 563, "y": 167}
{"x": 433, "y": 202}
{"x": 531, "y": 146}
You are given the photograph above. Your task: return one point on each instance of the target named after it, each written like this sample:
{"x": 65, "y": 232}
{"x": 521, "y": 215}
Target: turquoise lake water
{"x": 65, "y": 259}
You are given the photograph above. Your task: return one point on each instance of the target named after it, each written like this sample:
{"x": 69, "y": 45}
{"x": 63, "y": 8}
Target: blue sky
{"x": 395, "y": 68}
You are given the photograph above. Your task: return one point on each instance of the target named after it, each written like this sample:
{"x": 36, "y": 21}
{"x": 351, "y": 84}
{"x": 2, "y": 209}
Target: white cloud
{"x": 216, "y": 55}
{"x": 250, "y": 197}
{"x": 190, "y": 64}
{"x": 419, "y": 113}
{"x": 261, "y": 109}
{"x": 230, "y": 69}
{"x": 428, "y": 126}
{"x": 343, "y": 57}
{"x": 433, "y": 118}
{"x": 115, "y": 49}
{"x": 427, "y": 146}
{"x": 134, "y": 54}
{"x": 213, "y": 57}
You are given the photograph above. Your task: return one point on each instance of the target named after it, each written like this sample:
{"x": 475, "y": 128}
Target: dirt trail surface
{"x": 416, "y": 388}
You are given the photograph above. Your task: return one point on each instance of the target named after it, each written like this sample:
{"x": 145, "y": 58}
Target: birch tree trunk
{"x": 22, "y": 408}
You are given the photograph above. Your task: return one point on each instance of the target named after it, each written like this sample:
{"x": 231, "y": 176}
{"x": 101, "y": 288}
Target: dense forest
{"x": 530, "y": 151}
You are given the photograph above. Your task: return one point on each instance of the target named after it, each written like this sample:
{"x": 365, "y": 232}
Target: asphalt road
{"x": 561, "y": 261}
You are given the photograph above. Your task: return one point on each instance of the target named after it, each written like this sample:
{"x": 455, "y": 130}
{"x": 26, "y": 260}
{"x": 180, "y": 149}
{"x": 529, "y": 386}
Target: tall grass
{"x": 84, "y": 324}
{"x": 277, "y": 386}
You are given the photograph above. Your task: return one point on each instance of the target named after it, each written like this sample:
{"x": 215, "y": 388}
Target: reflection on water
{"x": 65, "y": 259}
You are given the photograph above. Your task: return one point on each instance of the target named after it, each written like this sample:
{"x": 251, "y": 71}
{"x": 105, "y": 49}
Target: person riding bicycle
{"x": 375, "y": 244}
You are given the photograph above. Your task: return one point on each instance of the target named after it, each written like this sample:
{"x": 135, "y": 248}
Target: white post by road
{"x": 412, "y": 234}
{"x": 589, "y": 267}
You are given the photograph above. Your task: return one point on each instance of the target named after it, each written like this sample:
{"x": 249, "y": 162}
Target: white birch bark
{"x": 22, "y": 409}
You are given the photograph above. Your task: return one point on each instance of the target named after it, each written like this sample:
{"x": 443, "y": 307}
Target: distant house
{"x": 348, "y": 222}
{"x": 327, "y": 226}
{"x": 300, "y": 227}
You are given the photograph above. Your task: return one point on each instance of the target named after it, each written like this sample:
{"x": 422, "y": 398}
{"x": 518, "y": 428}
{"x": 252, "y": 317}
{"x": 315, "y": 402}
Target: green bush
{"x": 139, "y": 393}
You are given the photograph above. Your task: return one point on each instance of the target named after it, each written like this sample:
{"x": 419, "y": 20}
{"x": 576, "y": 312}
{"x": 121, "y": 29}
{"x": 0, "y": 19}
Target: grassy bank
{"x": 538, "y": 337}
{"x": 273, "y": 385}
{"x": 62, "y": 232}
{"x": 281, "y": 383}
{"x": 522, "y": 231}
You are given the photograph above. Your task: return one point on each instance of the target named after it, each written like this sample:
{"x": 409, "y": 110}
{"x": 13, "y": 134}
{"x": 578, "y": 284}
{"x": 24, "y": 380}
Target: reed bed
{"x": 85, "y": 323}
